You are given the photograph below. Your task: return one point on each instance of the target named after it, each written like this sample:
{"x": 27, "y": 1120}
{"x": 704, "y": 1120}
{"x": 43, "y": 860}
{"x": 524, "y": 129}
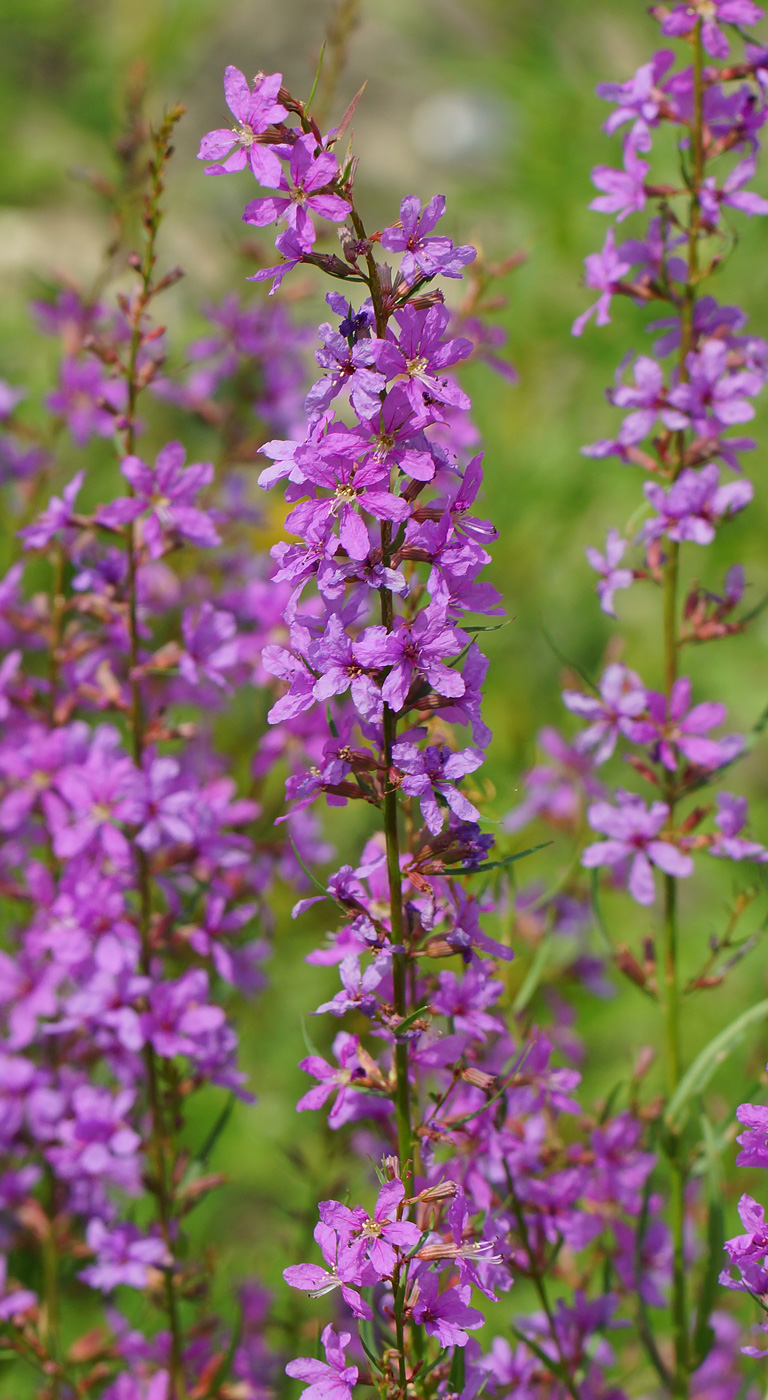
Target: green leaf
{"x": 698, "y": 1075}
{"x": 308, "y": 873}
{"x": 407, "y": 1021}
{"x": 376, "y": 1364}
{"x": 210, "y": 1142}
{"x": 318, "y": 71}
{"x": 508, "y": 860}
{"x": 566, "y": 660}
{"x": 532, "y": 978}
{"x": 306, "y": 1037}
{"x": 456, "y": 1373}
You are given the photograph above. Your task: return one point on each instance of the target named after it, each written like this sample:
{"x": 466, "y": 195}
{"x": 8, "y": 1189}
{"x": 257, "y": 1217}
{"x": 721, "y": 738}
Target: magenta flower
{"x": 419, "y": 353}
{"x": 350, "y": 1103}
{"x": 623, "y": 190}
{"x": 434, "y": 770}
{"x": 746, "y": 1252}
{"x": 647, "y": 397}
{"x": 731, "y": 819}
{"x": 611, "y": 577}
{"x": 671, "y": 726}
{"x": 411, "y": 651}
{"x": 100, "y": 797}
{"x": 638, "y": 100}
{"x": 87, "y": 400}
{"x": 380, "y": 1239}
{"x": 555, "y": 790}
{"x": 732, "y": 192}
{"x": 694, "y": 504}
{"x": 423, "y": 256}
{"x": 234, "y": 148}
{"x": 445, "y": 1315}
{"x": 754, "y": 1142}
{"x": 711, "y": 13}
{"x": 309, "y": 173}
{"x": 164, "y": 495}
{"x": 603, "y": 274}
{"x": 632, "y": 830}
{"x": 349, "y": 368}
{"x": 292, "y": 249}
{"x": 353, "y": 488}
{"x": 714, "y": 397}
{"x": 622, "y": 700}
{"x": 123, "y": 1256}
{"x": 331, "y": 1379}
{"x": 56, "y": 516}
{"x": 211, "y": 645}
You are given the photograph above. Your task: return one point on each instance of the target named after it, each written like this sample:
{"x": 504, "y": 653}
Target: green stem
{"x": 158, "y": 1146}
{"x": 399, "y": 1299}
{"x": 679, "y": 1308}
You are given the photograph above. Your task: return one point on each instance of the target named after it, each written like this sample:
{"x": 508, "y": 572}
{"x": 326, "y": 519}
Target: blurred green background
{"x": 492, "y": 103}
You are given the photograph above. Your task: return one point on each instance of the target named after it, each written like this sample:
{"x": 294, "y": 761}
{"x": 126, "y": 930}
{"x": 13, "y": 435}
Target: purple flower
{"x": 254, "y": 111}
{"x": 434, "y": 770}
{"x": 179, "y": 1016}
{"x": 604, "y": 272}
{"x": 623, "y": 190}
{"x": 445, "y": 1315}
{"x": 611, "y": 577}
{"x": 754, "y": 1142}
{"x": 380, "y": 1239}
{"x": 166, "y": 817}
{"x": 350, "y": 1102}
{"x": 639, "y": 99}
{"x": 100, "y": 797}
{"x": 211, "y": 645}
{"x": 671, "y": 726}
{"x": 349, "y": 367}
{"x": 632, "y": 830}
{"x": 292, "y": 250}
{"x": 56, "y": 516}
{"x": 331, "y": 1379}
{"x": 647, "y": 397}
{"x": 87, "y": 400}
{"x": 414, "y": 358}
{"x": 622, "y": 700}
{"x": 164, "y": 494}
{"x": 340, "y": 664}
{"x": 423, "y": 256}
{"x": 732, "y": 193}
{"x": 746, "y": 1252}
{"x": 554, "y": 790}
{"x": 731, "y": 819}
{"x": 309, "y": 173}
{"x": 711, "y": 14}
{"x": 647, "y": 1271}
{"x": 417, "y": 650}
{"x": 714, "y": 397}
{"x": 694, "y": 504}
{"x": 123, "y": 1256}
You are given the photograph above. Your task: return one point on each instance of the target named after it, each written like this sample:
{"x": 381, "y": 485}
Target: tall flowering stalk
{"x": 681, "y": 405}
{"x": 381, "y": 504}
{"x": 133, "y": 875}
{"x": 482, "y": 1177}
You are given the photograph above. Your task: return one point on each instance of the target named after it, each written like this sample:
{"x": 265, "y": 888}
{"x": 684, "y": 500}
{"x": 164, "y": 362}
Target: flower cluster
{"x": 682, "y": 409}
{"x": 135, "y": 877}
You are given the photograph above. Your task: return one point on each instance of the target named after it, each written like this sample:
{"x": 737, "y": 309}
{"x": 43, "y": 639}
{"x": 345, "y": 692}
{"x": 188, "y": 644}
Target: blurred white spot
{"x": 456, "y": 128}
